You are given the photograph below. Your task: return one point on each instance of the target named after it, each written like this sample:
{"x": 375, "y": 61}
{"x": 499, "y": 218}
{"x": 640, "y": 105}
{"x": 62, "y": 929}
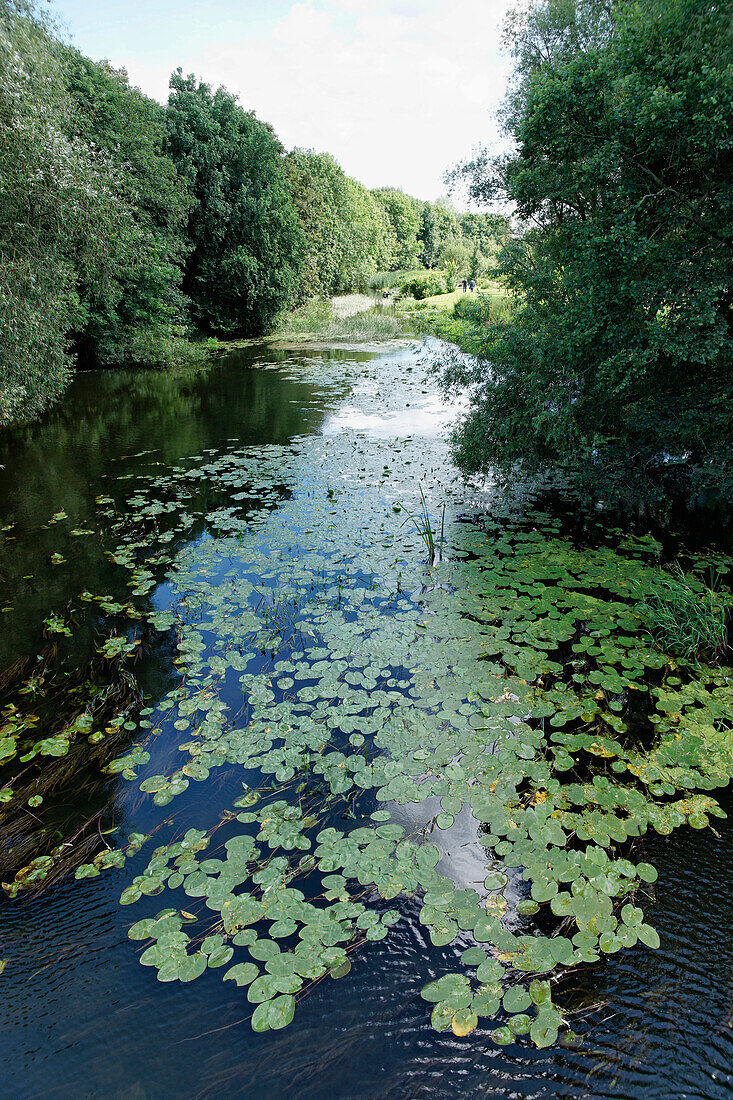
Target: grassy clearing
{"x": 445, "y": 303}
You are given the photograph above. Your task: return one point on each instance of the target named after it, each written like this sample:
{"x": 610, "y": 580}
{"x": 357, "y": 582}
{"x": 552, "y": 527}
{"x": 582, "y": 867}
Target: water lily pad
{"x": 275, "y": 1014}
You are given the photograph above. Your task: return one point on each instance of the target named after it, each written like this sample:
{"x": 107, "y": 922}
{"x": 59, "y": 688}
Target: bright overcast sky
{"x": 396, "y": 90}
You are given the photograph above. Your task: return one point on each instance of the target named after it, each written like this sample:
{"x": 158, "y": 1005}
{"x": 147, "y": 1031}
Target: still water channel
{"x": 335, "y": 444}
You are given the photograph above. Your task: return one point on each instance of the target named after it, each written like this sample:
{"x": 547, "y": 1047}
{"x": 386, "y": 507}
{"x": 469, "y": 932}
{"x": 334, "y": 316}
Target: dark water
{"x": 79, "y": 1017}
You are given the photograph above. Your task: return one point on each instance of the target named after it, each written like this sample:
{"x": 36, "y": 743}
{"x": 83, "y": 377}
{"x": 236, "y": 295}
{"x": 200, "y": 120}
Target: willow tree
{"x": 48, "y": 189}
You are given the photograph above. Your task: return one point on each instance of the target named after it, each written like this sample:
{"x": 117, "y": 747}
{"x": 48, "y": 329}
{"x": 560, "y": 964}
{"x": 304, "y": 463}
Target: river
{"x": 294, "y": 473}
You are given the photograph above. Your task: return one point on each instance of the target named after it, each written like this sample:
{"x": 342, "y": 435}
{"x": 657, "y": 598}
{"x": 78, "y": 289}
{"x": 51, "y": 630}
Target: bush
{"x": 424, "y": 285}
{"x": 483, "y": 309}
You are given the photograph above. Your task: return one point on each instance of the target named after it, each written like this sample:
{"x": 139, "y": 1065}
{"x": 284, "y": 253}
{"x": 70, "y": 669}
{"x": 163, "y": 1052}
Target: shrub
{"x": 483, "y": 309}
{"x": 424, "y": 285}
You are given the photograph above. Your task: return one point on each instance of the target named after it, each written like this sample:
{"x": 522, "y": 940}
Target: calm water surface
{"x": 79, "y": 1016}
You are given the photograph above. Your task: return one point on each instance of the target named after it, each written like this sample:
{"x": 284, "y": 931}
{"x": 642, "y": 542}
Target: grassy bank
{"x": 455, "y": 316}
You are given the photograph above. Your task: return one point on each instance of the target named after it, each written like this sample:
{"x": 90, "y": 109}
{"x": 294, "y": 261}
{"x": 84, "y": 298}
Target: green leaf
{"x": 275, "y": 1014}
{"x": 242, "y": 973}
{"x": 648, "y": 935}
{"x": 516, "y": 999}
{"x": 543, "y": 1032}
{"x": 539, "y": 991}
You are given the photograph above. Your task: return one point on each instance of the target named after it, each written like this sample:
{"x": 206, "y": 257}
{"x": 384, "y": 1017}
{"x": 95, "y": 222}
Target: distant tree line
{"x": 127, "y": 226}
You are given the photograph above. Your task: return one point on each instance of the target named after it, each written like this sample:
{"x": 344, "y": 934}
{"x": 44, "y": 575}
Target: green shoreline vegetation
{"x": 574, "y": 692}
{"x": 132, "y": 233}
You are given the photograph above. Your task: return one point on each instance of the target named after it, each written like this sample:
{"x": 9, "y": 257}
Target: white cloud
{"x": 396, "y": 90}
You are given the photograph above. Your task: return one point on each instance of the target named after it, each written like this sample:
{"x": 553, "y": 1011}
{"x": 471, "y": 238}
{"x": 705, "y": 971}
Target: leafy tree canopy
{"x": 618, "y": 359}
{"x": 439, "y": 226}
{"x": 52, "y": 193}
{"x": 404, "y": 214}
{"x": 132, "y": 286}
{"x": 348, "y": 235}
{"x": 247, "y": 242}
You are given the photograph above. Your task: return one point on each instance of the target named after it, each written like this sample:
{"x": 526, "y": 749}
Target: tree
{"x": 348, "y": 237}
{"x": 370, "y": 241}
{"x": 475, "y": 264}
{"x": 455, "y": 254}
{"x": 429, "y": 236}
{"x": 404, "y": 217}
{"x": 248, "y": 245}
{"x": 618, "y": 360}
{"x": 51, "y": 189}
{"x": 318, "y": 189}
{"x": 91, "y": 216}
{"x": 130, "y": 291}
{"x": 487, "y": 232}
{"x": 439, "y": 228}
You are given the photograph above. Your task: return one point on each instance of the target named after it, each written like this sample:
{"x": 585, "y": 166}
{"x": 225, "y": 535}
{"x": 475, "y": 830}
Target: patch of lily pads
{"x": 323, "y": 661}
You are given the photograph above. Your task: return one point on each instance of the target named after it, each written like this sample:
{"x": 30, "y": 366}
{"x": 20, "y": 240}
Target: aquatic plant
{"x": 57, "y": 725}
{"x": 363, "y": 326}
{"x": 351, "y": 317}
{"x": 464, "y": 695}
{"x": 311, "y": 317}
{"x": 423, "y": 524}
{"x": 686, "y": 616}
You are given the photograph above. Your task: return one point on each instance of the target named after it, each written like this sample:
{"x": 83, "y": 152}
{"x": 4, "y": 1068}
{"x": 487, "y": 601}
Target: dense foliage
{"x": 619, "y": 361}
{"x": 348, "y": 235}
{"x": 47, "y": 186}
{"x": 403, "y": 213}
{"x": 424, "y": 285}
{"x": 434, "y": 234}
{"x": 130, "y": 296}
{"x": 128, "y": 227}
{"x": 247, "y": 241}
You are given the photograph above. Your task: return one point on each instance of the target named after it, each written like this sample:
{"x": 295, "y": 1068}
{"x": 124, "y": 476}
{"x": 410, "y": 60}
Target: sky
{"x": 397, "y": 90}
